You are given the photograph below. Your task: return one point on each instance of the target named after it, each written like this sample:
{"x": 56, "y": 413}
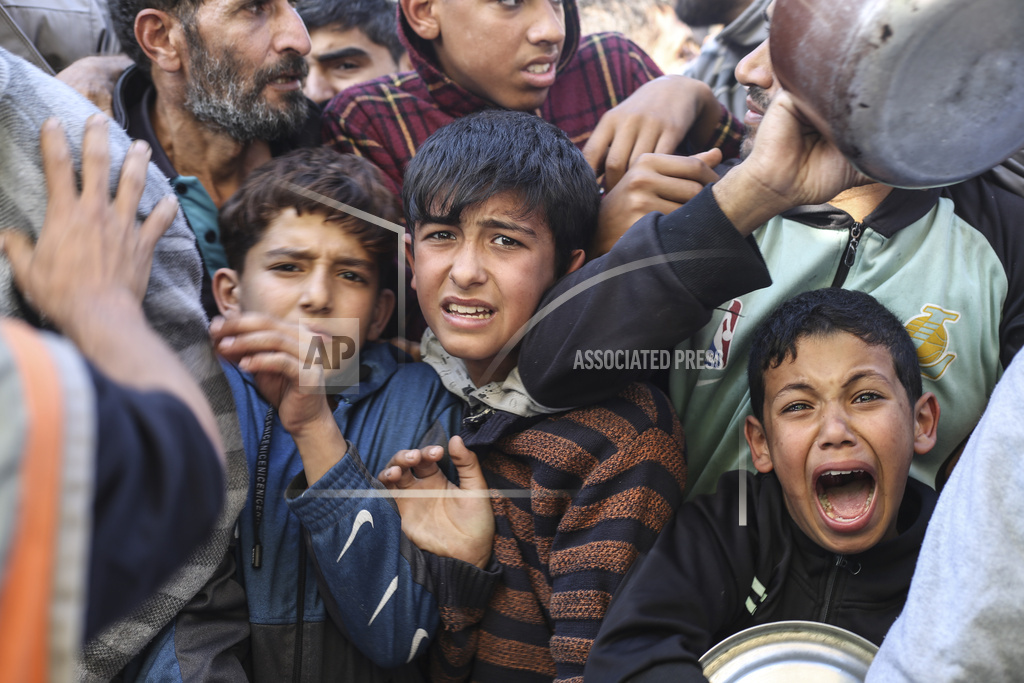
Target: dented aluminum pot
{"x": 790, "y": 652}
{"x": 915, "y": 93}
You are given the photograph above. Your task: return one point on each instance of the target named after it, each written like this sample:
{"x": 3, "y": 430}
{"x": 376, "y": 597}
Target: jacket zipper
{"x": 831, "y": 587}
{"x": 856, "y": 231}
{"x": 300, "y": 620}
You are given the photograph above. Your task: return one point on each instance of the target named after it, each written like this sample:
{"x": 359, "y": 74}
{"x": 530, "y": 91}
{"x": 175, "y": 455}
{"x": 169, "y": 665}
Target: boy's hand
{"x": 657, "y": 182}
{"x": 89, "y": 253}
{"x": 447, "y": 520}
{"x": 655, "y": 118}
{"x": 270, "y": 350}
{"x": 90, "y": 266}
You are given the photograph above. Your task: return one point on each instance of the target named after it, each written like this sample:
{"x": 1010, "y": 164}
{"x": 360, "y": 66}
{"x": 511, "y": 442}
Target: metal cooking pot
{"x": 915, "y": 93}
{"x": 790, "y": 652}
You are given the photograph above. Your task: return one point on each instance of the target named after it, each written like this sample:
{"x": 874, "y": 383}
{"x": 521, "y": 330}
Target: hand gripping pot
{"x": 915, "y": 93}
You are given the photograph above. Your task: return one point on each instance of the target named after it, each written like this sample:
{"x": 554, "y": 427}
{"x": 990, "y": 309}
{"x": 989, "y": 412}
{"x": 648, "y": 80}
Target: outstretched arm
{"x": 156, "y": 471}
{"x": 89, "y": 269}
{"x": 684, "y": 263}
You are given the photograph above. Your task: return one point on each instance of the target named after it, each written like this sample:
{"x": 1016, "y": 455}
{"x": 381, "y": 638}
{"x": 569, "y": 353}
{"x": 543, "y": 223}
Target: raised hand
{"x": 654, "y": 119}
{"x": 791, "y": 164}
{"x": 89, "y": 250}
{"x": 438, "y": 516}
{"x": 656, "y": 182}
{"x": 271, "y": 351}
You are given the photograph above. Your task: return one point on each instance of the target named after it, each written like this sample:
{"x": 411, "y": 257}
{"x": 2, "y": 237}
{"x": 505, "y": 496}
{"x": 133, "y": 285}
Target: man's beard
{"x": 220, "y": 96}
{"x": 758, "y": 96}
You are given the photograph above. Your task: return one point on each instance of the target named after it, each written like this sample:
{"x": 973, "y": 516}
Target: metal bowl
{"x": 790, "y": 652}
{"x": 915, "y": 93}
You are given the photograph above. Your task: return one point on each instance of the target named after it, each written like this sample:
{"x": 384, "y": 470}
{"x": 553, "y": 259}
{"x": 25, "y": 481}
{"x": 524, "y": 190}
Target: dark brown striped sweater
{"x": 578, "y": 495}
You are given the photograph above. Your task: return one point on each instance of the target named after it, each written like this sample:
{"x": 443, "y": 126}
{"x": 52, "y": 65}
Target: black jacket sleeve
{"x": 159, "y": 489}
{"x": 689, "y": 591}
{"x": 655, "y": 288}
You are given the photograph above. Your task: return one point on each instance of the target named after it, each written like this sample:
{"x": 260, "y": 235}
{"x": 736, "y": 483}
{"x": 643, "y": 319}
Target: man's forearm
{"x": 114, "y": 335}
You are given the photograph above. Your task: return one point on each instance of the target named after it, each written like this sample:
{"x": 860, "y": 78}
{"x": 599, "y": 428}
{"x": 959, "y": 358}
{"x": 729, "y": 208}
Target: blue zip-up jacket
{"x": 334, "y": 548}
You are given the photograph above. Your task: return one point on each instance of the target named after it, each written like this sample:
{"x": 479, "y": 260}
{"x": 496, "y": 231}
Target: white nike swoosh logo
{"x": 387, "y": 596}
{"x": 705, "y": 382}
{"x": 362, "y": 518}
{"x": 417, "y": 638}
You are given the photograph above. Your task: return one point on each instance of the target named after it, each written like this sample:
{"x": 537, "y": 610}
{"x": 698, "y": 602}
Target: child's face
{"x": 840, "y": 434}
{"x": 308, "y": 267}
{"x": 479, "y": 282}
{"x": 505, "y": 51}
{"x": 340, "y": 58}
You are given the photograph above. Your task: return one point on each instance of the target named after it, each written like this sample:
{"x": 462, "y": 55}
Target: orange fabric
{"x": 25, "y": 596}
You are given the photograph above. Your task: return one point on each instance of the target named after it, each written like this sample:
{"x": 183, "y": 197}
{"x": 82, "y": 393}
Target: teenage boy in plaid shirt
{"x": 526, "y": 55}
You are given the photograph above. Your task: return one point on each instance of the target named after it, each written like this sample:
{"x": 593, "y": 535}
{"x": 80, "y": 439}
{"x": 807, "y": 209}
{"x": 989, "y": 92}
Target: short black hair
{"x": 482, "y": 155}
{"x": 378, "y": 19}
{"x": 343, "y": 178}
{"x": 122, "y": 17}
{"x": 821, "y": 313}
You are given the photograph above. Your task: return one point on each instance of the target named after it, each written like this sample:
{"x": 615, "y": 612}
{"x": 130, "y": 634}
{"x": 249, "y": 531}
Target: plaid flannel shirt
{"x": 387, "y": 119}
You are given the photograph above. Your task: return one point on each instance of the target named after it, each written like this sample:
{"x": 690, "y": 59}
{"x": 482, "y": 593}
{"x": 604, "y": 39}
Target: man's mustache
{"x": 290, "y": 65}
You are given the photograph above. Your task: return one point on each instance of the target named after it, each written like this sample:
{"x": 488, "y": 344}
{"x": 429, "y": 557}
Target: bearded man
{"x": 744, "y": 29}
{"x": 216, "y": 91}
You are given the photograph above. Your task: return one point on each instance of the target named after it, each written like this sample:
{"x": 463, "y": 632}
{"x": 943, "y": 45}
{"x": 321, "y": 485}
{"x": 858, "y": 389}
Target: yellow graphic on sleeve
{"x": 931, "y": 338}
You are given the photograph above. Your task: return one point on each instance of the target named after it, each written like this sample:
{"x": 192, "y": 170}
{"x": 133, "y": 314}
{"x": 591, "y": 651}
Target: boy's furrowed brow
{"x": 866, "y": 374}
{"x": 343, "y": 53}
{"x": 857, "y": 377}
{"x": 299, "y": 253}
{"x": 431, "y": 219}
{"x": 290, "y": 252}
{"x": 508, "y": 226}
{"x": 791, "y": 387}
{"x": 352, "y": 262}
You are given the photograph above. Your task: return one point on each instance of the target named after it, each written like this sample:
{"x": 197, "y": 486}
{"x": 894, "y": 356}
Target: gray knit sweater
{"x": 27, "y": 98}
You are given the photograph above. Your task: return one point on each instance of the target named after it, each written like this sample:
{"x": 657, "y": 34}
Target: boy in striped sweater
{"x": 500, "y": 205}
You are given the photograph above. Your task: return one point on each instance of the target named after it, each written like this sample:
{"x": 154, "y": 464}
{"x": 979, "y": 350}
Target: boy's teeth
{"x": 468, "y": 310}
{"x": 539, "y": 68}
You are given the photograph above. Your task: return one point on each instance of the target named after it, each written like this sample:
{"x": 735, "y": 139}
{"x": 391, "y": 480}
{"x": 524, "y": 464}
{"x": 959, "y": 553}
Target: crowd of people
{"x": 446, "y": 340}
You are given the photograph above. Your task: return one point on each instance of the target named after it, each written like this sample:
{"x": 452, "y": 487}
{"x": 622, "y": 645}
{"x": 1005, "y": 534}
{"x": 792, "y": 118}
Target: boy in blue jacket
{"x": 334, "y": 591}
{"x": 830, "y": 528}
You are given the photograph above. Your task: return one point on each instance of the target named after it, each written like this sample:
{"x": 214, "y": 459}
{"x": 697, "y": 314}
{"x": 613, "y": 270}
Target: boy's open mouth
{"x": 474, "y": 312}
{"x": 845, "y": 496}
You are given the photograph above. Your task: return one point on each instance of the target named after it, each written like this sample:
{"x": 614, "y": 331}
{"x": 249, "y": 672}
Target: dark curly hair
{"x": 485, "y": 154}
{"x": 342, "y": 178}
{"x": 821, "y": 313}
